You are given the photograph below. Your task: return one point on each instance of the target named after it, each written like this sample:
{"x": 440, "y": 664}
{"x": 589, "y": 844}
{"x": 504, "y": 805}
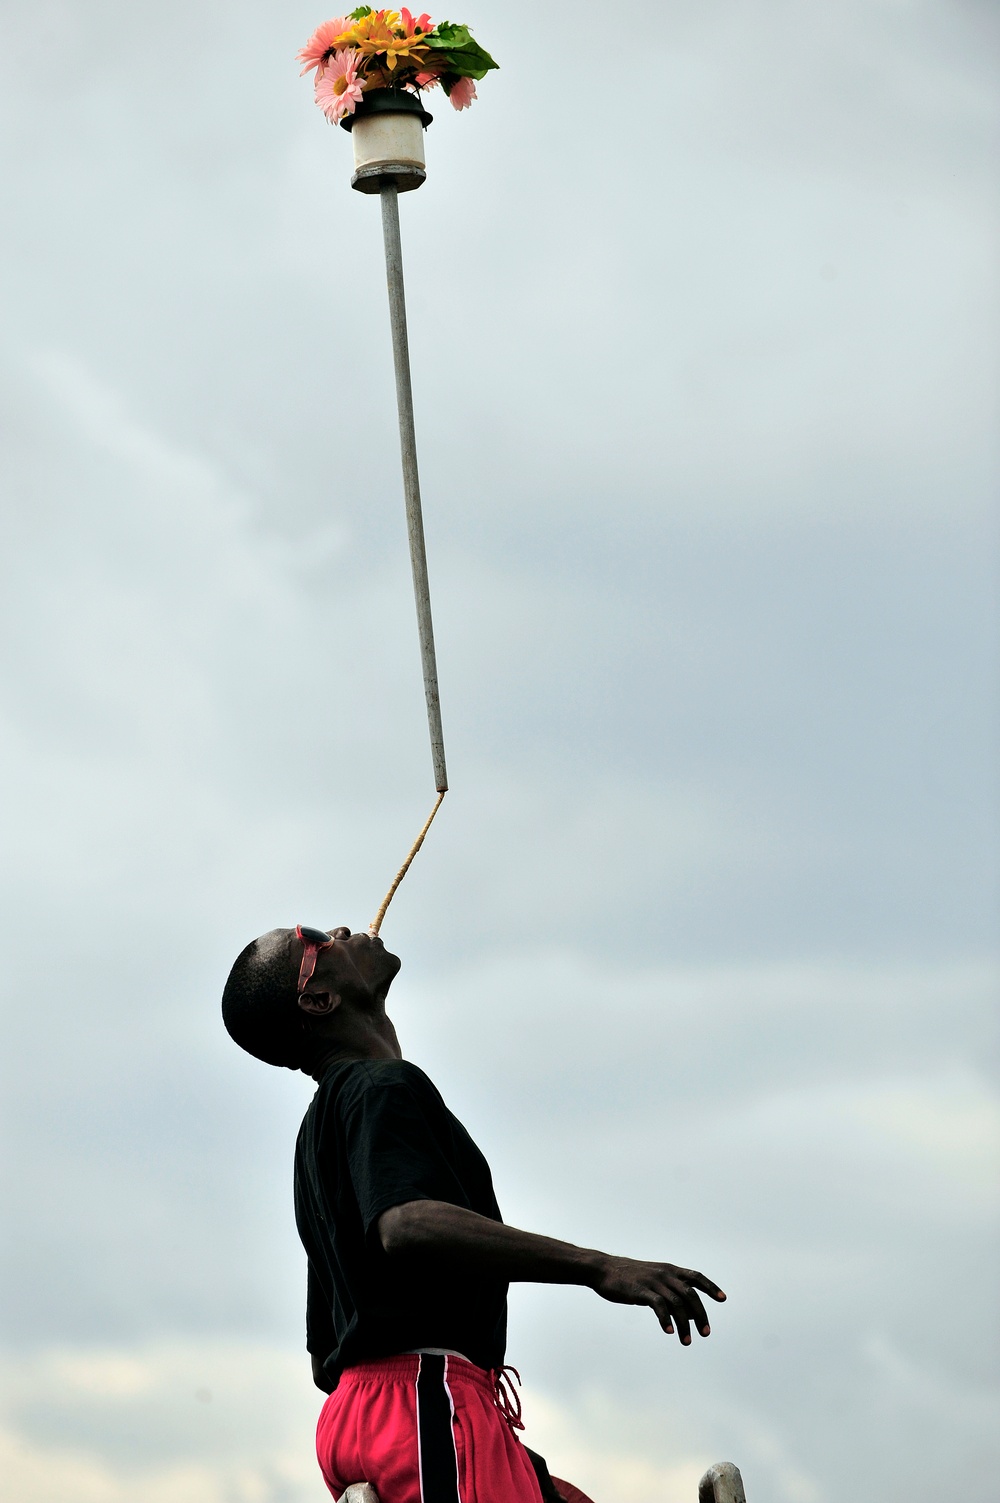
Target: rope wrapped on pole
{"x": 376, "y": 922}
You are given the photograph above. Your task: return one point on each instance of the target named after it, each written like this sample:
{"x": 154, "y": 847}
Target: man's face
{"x": 345, "y": 997}
{"x": 354, "y": 963}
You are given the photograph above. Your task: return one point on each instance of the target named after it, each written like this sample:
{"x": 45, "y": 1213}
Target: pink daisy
{"x": 321, "y": 42}
{"x": 463, "y": 93}
{"x": 338, "y": 88}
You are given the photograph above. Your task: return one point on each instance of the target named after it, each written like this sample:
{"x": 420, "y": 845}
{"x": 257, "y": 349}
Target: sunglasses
{"x": 313, "y": 941}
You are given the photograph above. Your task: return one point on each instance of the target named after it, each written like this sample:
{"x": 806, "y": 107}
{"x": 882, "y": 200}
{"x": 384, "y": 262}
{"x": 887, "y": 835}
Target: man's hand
{"x": 670, "y": 1292}
{"x": 447, "y": 1233}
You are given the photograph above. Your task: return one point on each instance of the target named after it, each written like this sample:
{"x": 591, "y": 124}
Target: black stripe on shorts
{"x": 438, "y": 1457}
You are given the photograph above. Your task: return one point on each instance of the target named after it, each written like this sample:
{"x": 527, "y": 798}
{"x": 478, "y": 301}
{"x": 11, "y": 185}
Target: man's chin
{"x": 375, "y": 942}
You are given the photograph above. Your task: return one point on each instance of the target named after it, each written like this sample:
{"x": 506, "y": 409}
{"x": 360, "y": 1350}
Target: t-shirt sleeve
{"x": 397, "y": 1136}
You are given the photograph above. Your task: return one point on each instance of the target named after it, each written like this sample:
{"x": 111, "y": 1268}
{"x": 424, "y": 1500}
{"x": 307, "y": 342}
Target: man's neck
{"x": 352, "y": 1052}
{"x": 331, "y": 1057}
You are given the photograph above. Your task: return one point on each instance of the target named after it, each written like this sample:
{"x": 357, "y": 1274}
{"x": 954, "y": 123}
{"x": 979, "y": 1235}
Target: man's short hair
{"x": 260, "y": 1003}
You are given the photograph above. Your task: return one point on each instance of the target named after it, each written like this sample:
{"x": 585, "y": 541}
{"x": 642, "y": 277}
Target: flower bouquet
{"x": 387, "y": 49}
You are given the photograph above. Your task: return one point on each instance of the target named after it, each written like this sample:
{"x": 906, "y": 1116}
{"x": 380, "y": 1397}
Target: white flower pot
{"x": 388, "y": 135}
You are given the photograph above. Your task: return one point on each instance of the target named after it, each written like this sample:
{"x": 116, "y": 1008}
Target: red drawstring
{"x": 506, "y": 1396}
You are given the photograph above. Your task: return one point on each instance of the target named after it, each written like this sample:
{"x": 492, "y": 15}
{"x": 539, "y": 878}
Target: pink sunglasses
{"x": 313, "y": 942}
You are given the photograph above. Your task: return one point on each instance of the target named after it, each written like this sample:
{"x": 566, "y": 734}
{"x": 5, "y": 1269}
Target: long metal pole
{"x": 411, "y": 479}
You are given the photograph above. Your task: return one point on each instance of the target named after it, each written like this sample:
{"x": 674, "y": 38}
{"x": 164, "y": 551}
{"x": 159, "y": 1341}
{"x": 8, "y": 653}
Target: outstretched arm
{"x": 432, "y": 1228}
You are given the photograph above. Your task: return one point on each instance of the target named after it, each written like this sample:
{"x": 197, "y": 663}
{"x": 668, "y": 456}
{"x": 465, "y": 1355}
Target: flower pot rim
{"x": 387, "y": 102}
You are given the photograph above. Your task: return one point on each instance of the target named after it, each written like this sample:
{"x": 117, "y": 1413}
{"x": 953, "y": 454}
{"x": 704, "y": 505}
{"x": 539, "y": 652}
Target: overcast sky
{"x": 703, "y": 947}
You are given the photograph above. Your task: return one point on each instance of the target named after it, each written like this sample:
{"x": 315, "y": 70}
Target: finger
{"x": 705, "y": 1285}
{"x": 701, "y": 1282}
{"x": 679, "y": 1292}
{"x": 681, "y": 1320}
{"x": 697, "y": 1312}
{"x": 661, "y": 1310}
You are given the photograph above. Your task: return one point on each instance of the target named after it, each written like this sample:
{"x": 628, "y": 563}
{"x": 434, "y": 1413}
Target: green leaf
{"x": 361, "y": 12}
{"x": 464, "y": 56}
{"x": 452, "y": 35}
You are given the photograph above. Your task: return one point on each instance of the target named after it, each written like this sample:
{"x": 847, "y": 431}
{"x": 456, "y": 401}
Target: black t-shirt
{"x": 377, "y": 1135}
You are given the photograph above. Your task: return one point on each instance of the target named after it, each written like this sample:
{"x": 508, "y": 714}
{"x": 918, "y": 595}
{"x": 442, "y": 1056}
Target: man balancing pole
{"x": 408, "y": 1257}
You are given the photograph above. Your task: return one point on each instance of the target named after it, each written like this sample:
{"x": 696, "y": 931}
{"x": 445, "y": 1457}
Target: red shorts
{"x": 422, "y": 1429}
